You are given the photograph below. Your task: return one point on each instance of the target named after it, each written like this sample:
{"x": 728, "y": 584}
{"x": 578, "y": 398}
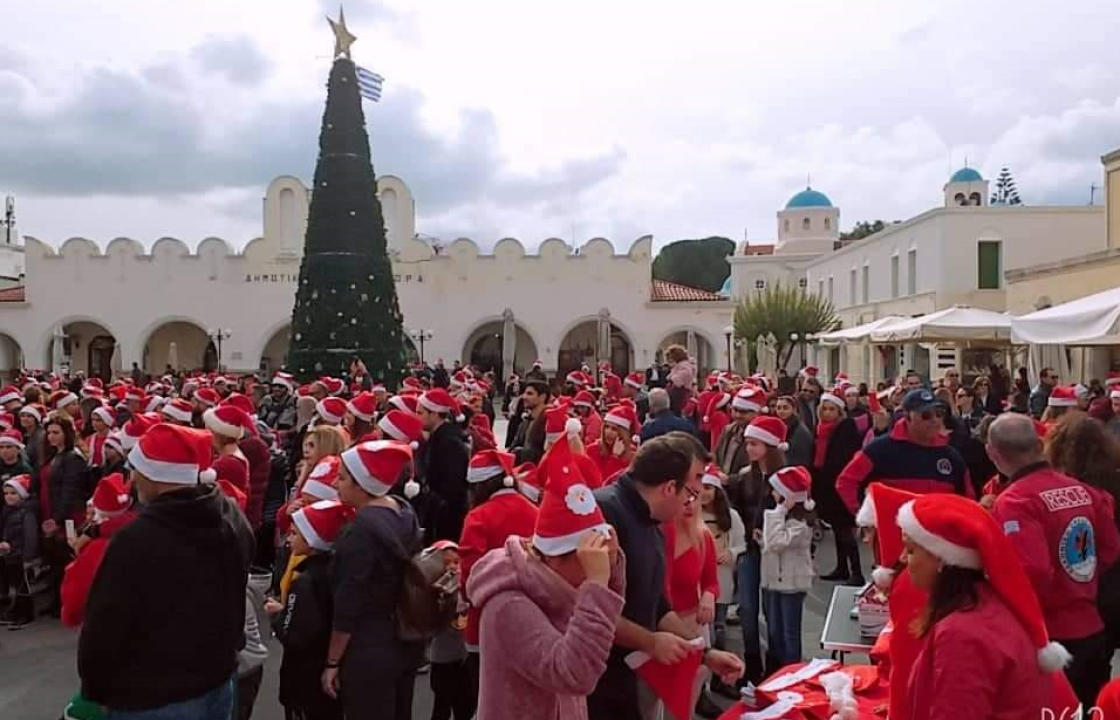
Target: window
{"x": 828, "y": 223}
{"x": 987, "y": 264}
{"x": 912, "y": 272}
{"x": 960, "y": 199}
{"x": 760, "y": 285}
{"x": 831, "y": 295}
{"x": 802, "y": 283}
{"x": 974, "y": 199}
{"x": 866, "y": 282}
{"x": 805, "y": 223}
{"x": 785, "y": 224}
{"x": 894, "y": 276}
{"x": 852, "y": 287}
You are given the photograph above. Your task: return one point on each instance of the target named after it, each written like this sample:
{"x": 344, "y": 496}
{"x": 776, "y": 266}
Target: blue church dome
{"x": 808, "y": 198}
{"x": 966, "y": 174}
{"x": 726, "y": 289}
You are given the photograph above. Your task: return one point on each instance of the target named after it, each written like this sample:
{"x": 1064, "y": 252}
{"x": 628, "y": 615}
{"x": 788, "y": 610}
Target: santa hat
{"x": 61, "y": 399}
{"x": 11, "y": 437}
{"x": 635, "y": 380}
{"x": 438, "y": 400}
{"x": 538, "y": 363}
{"x": 10, "y": 393}
{"x": 527, "y": 481}
{"x": 612, "y": 384}
{"x": 333, "y": 385}
{"x": 1114, "y": 394}
{"x": 226, "y": 420}
{"x": 960, "y": 533}
{"x": 577, "y": 378}
{"x": 173, "y": 454}
{"x": 207, "y": 397}
{"x": 1063, "y": 396}
{"x": 584, "y": 398}
{"x": 7, "y": 420}
{"x": 761, "y": 380}
{"x": 135, "y": 428}
{"x": 21, "y": 484}
{"x": 363, "y": 406}
{"x": 331, "y": 410}
{"x": 412, "y": 382}
{"x": 879, "y": 510}
{"x": 750, "y": 399}
{"x": 405, "y": 403}
{"x": 557, "y": 422}
{"x": 713, "y": 475}
{"x": 110, "y": 497}
{"x": 33, "y": 410}
{"x": 403, "y": 427}
{"x": 568, "y": 507}
{"x": 153, "y": 403}
{"x": 809, "y": 371}
{"x": 105, "y": 414}
{"x": 624, "y": 416}
{"x": 768, "y": 429}
{"x": 134, "y": 394}
{"x": 322, "y": 481}
{"x": 379, "y": 389}
{"x": 321, "y": 523}
{"x": 486, "y": 464}
{"x": 716, "y": 401}
{"x": 179, "y": 410}
{"x": 840, "y": 379}
{"x": 240, "y": 401}
{"x": 672, "y": 684}
{"x": 113, "y": 441}
{"x": 284, "y": 379}
{"x": 836, "y": 400}
{"x": 794, "y": 484}
{"x": 92, "y": 391}
{"x": 1112, "y": 378}
{"x": 375, "y": 465}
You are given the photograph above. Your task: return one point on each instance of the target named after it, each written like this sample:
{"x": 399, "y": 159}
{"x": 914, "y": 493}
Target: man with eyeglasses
{"x": 915, "y": 456}
{"x": 1040, "y": 396}
{"x": 807, "y": 400}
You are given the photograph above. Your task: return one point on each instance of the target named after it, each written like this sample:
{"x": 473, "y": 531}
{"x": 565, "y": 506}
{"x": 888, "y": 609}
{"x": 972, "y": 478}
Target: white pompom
{"x": 208, "y": 476}
{"x": 460, "y": 417}
{"x": 411, "y": 489}
{"x": 573, "y": 427}
{"x": 1053, "y": 657}
{"x": 508, "y": 481}
{"x": 707, "y": 419}
{"x": 810, "y": 505}
{"x": 637, "y": 439}
{"x": 882, "y": 577}
{"x": 414, "y": 445}
{"x": 783, "y": 446}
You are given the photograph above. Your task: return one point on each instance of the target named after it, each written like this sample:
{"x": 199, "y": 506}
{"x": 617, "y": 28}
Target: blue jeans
{"x": 783, "y": 624}
{"x": 217, "y": 704}
{"x": 749, "y": 579}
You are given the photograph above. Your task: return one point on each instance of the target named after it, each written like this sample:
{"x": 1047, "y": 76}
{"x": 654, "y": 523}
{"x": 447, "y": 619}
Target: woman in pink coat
{"x": 986, "y": 654}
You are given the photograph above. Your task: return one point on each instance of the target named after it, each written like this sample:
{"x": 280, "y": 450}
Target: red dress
{"x": 607, "y": 462}
{"x": 690, "y": 574}
{"x": 234, "y": 469}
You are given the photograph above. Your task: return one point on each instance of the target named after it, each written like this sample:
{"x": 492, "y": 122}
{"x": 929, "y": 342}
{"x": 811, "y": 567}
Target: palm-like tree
{"x": 784, "y": 312}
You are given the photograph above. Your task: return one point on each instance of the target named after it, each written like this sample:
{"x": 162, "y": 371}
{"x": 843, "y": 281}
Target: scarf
{"x": 824, "y": 435}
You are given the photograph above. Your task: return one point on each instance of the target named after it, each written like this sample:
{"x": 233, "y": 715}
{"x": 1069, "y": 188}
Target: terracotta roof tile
{"x": 759, "y": 250}
{"x": 12, "y": 294}
{"x": 665, "y": 291}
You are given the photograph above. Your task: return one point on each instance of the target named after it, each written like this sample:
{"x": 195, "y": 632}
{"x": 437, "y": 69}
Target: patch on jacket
{"x": 1066, "y": 498}
{"x": 945, "y": 466}
{"x": 1077, "y": 550}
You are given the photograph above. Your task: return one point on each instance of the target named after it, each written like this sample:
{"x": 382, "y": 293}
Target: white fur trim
{"x": 882, "y": 577}
{"x": 709, "y": 479}
{"x": 176, "y": 414}
{"x": 299, "y": 519}
{"x": 745, "y": 405}
{"x": 866, "y": 515}
{"x": 386, "y": 425}
{"x": 834, "y": 399}
{"x": 220, "y": 427}
{"x": 754, "y": 431}
{"x": 1061, "y": 402}
{"x": 564, "y": 544}
{"x": 617, "y": 421}
{"x": 4, "y": 440}
{"x": 573, "y": 427}
{"x": 357, "y": 413}
{"x": 583, "y": 403}
{"x": 434, "y": 407}
{"x": 1114, "y": 395}
{"x": 105, "y": 414}
{"x": 636, "y": 386}
{"x": 1053, "y": 657}
{"x": 530, "y": 491}
{"x": 948, "y": 552}
{"x": 801, "y": 497}
{"x": 478, "y": 474}
{"x": 161, "y": 471}
{"x": 411, "y": 489}
{"x": 208, "y": 476}
{"x": 365, "y": 480}
{"x": 319, "y": 489}
{"x": 32, "y": 411}
{"x": 18, "y": 487}
{"x": 67, "y": 399}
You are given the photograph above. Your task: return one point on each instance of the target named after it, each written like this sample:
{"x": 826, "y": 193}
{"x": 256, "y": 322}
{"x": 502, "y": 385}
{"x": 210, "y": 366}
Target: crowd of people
{"x": 380, "y": 533}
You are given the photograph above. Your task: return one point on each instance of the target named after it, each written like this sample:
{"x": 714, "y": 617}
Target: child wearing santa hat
{"x": 12, "y": 461}
{"x": 454, "y": 685}
{"x": 19, "y": 544}
{"x": 787, "y": 562}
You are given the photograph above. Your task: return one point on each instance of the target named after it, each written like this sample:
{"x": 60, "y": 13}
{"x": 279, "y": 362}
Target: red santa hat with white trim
{"x": 879, "y": 510}
{"x": 557, "y": 422}
{"x": 34, "y": 410}
{"x": 90, "y": 390}
{"x": 285, "y": 380}
{"x": 577, "y": 378}
{"x": 178, "y": 410}
{"x": 1112, "y": 378}
{"x": 333, "y": 385}
{"x": 7, "y": 420}
{"x": 153, "y": 403}
{"x": 375, "y": 465}
{"x": 402, "y": 427}
{"x": 21, "y": 484}
{"x": 62, "y": 398}
{"x": 363, "y": 406}
{"x": 624, "y": 416}
{"x": 207, "y": 397}
{"x": 105, "y": 414}
{"x": 10, "y": 393}
{"x": 769, "y": 430}
{"x": 487, "y": 464}
{"x": 173, "y": 454}
{"x": 584, "y": 398}
{"x": 110, "y": 497}
{"x": 405, "y": 403}
{"x": 750, "y": 399}
{"x": 713, "y": 475}
{"x": 322, "y": 481}
{"x": 331, "y": 410}
{"x": 568, "y": 507}
{"x": 635, "y": 380}
{"x": 715, "y": 401}
{"x": 527, "y": 481}
{"x": 438, "y": 400}
{"x": 321, "y": 523}
{"x": 134, "y": 394}
{"x": 832, "y": 397}
{"x": 113, "y": 442}
{"x": 1063, "y": 396}
{"x": 960, "y": 533}
{"x": 11, "y": 437}
{"x": 795, "y": 484}
{"x": 226, "y": 420}
{"x": 135, "y": 428}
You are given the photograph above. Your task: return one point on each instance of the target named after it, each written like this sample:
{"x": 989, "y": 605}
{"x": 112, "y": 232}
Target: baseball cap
{"x": 918, "y": 400}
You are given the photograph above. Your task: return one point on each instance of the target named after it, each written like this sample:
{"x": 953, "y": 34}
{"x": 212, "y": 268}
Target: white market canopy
{"x": 956, "y": 324}
{"x": 856, "y": 334}
{"x": 1091, "y": 320}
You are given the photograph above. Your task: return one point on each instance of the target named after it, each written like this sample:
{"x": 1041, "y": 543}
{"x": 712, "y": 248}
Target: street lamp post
{"x": 218, "y": 335}
{"x": 728, "y": 332}
{"x": 421, "y": 336}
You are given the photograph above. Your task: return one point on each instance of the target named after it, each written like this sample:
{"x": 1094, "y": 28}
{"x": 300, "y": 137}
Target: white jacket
{"x": 787, "y": 561}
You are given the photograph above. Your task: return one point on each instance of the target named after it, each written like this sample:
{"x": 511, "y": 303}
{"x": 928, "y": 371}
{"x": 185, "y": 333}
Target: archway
{"x": 581, "y": 346}
{"x": 275, "y": 353}
{"x": 87, "y": 347}
{"x": 179, "y": 344}
{"x": 698, "y": 346}
{"x": 11, "y": 357}
{"x": 484, "y": 346}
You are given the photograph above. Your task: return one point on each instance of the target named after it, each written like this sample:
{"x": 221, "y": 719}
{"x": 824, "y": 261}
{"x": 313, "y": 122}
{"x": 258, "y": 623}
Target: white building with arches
{"x": 99, "y": 310}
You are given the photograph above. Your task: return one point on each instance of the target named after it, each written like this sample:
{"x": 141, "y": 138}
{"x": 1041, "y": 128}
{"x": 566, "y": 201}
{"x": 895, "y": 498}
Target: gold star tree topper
{"x": 343, "y": 38}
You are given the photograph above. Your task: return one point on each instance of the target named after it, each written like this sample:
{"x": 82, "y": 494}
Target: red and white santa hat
{"x": 438, "y": 400}
{"x": 172, "y": 454}
{"x": 21, "y": 484}
{"x": 809, "y": 371}
{"x": 528, "y": 484}
{"x": 840, "y": 379}
{"x": 12, "y": 438}
{"x": 363, "y": 406}
{"x": 584, "y": 398}
{"x": 92, "y": 391}
{"x": 1114, "y": 394}
{"x": 1112, "y": 378}
{"x": 105, "y": 414}
{"x": 110, "y": 497}
{"x": 635, "y": 380}
{"x": 832, "y": 397}
{"x": 713, "y": 475}
{"x": 557, "y": 422}
{"x": 284, "y": 379}
{"x": 35, "y": 411}
{"x": 178, "y": 410}
{"x": 7, "y": 421}
{"x": 379, "y": 389}
{"x": 375, "y": 465}
{"x": 153, "y": 403}
{"x": 333, "y": 385}
{"x": 715, "y": 401}
{"x": 568, "y": 507}
{"x": 769, "y": 430}
{"x": 322, "y": 481}
{"x": 113, "y": 442}
{"x": 134, "y": 394}
{"x": 794, "y": 483}
{"x": 208, "y": 397}
{"x": 960, "y": 533}
{"x": 412, "y": 383}
{"x": 879, "y": 510}
{"x": 487, "y": 464}
{"x": 226, "y": 420}
{"x": 405, "y": 403}
{"x": 321, "y": 523}
{"x": 577, "y": 378}
{"x": 750, "y": 399}
{"x": 1063, "y": 396}
{"x": 403, "y": 427}
{"x": 135, "y": 428}
{"x": 624, "y": 416}
{"x": 10, "y": 393}
{"x": 331, "y": 410}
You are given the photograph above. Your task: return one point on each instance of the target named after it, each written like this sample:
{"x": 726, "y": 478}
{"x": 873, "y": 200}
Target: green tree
{"x": 862, "y": 229}
{"x": 783, "y": 311}
{"x": 697, "y": 263}
{"x": 1005, "y": 193}
{"x": 346, "y": 301}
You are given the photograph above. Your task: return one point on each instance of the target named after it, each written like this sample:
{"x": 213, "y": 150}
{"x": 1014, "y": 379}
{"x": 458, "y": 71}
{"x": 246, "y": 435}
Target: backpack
{"x": 429, "y": 596}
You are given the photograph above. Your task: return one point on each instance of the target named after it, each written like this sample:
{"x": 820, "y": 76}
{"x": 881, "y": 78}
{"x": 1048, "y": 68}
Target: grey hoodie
{"x": 255, "y": 652}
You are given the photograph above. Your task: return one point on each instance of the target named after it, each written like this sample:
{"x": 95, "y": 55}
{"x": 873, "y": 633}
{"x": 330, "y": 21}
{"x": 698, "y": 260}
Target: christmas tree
{"x": 346, "y": 301}
{"x": 1005, "y": 193}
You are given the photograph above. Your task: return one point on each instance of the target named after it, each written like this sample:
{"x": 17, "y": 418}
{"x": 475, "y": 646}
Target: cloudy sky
{"x": 575, "y": 119}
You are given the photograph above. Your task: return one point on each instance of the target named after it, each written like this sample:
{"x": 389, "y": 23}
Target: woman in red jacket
{"x": 614, "y": 449}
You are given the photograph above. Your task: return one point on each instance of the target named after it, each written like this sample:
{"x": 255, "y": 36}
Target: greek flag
{"x": 369, "y": 83}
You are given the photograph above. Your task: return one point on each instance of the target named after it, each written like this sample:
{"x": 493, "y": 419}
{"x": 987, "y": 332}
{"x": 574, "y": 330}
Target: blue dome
{"x": 808, "y": 198}
{"x": 966, "y": 174}
{"x": 726, "y": 289}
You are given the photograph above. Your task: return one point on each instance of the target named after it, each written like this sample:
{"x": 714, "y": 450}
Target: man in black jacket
{"x": 166, "y": 612}
{"x": 445, "y": 466}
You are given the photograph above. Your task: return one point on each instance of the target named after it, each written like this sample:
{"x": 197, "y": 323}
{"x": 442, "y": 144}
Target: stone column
{"x": 509, "y": 344}
{"x": 693, "y": 350}
{"x": 602, "y": 339}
